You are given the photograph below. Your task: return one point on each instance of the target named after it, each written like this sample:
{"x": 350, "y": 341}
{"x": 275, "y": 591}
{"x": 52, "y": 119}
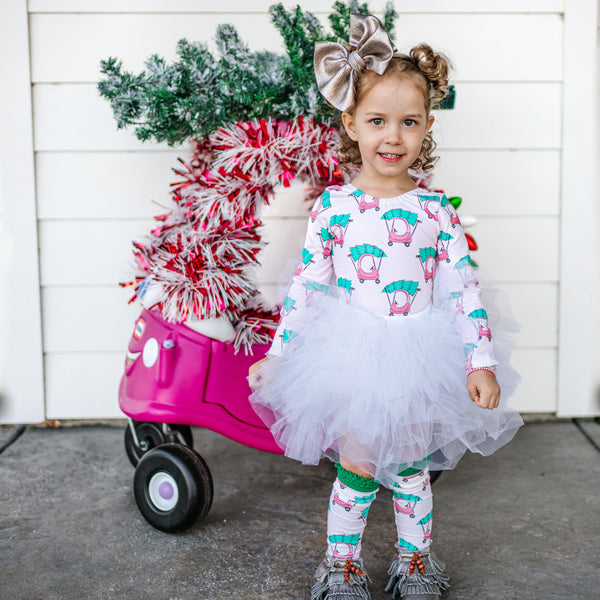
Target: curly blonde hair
{"x": 429, "y": 71}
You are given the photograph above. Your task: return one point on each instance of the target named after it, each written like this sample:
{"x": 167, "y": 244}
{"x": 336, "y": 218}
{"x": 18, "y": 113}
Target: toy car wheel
{"x": 150, "y": 435}
{"x": 173, "y": 487}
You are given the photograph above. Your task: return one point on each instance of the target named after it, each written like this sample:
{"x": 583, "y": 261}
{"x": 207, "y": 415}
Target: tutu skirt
{"x": 382, "y": 392}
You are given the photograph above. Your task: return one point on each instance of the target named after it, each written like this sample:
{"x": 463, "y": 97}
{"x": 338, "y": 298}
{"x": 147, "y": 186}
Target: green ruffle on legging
{"x": 356, "y": 482}
{"x": 367, "y": 484}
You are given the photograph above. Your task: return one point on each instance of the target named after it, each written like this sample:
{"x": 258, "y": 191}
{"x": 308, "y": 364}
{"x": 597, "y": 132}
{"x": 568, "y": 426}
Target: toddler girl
{"x": 383, "y": 361}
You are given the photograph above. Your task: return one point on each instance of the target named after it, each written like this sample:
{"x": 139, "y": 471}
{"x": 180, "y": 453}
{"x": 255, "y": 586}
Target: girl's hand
{"x": 255, "y": 379}
{"x": 483, "y": 389}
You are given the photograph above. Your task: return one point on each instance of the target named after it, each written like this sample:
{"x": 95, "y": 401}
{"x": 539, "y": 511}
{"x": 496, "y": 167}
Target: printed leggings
{"x": 350, "y": 501}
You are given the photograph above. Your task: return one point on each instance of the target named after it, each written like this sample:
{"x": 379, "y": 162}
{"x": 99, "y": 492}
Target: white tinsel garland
{"x": 202, "y": 254}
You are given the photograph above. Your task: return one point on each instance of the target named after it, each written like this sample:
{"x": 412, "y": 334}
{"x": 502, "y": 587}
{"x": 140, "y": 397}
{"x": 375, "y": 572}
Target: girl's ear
{"x": 430, "y": 120}
{"x": 348, "y": 121}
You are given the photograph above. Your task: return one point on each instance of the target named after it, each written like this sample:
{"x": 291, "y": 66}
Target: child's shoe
{"x": 416, "y": 576}
{"x": 340, "y": 580}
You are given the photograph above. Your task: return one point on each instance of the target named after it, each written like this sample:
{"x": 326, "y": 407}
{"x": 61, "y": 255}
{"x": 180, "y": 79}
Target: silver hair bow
{"x": 336, "y": 66}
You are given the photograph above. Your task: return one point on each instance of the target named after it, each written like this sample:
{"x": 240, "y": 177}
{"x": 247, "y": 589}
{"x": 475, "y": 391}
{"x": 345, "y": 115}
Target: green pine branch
{"x": 198, "y": 92}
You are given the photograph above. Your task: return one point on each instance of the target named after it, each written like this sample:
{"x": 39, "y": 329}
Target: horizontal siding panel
{"x": 105, "y": 185}
{"x": 502, "y": 115}
{"x": 289, "y": 202}
{"x": 517, "y": 249}
{"x": 83, "y": 385}
{"x": 69, "y": 327}
{"x": 190, "y": 6}
{"x": 71, "y": 117}
{"x": 284, "y": 237}
{"x": 77, "y": 252}
{"x": 74, "y": 117}
{"x": 137, "y": 184}
{"x": 131, "y": 38}
{"x": 482, "y": 50}
{"x": 271, "y": 292}
{"x": 79, "y": 185}
{"x": 534, "y": 306}
{"x": 480, "y": 178}
{"x": 134, "y": 37}
{"x": 538, "y": 389}
{"x": 88, "y": 252}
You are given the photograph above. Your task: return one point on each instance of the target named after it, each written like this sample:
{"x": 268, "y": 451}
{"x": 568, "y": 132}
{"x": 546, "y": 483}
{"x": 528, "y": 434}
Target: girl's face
{"x": 389, "y": 124}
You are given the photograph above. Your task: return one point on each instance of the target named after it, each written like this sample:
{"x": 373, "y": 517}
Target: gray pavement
{"x": 523, "y": 523}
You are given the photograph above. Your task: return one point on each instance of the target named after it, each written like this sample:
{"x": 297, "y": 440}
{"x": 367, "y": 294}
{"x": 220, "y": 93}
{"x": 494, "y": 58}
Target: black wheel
{"x": 390, "y": 243}
{"x": 173, "y": 487}
{"x": 150, "y": 435}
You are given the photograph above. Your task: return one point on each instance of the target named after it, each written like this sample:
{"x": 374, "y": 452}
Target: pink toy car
{"x": 174, "y": 378}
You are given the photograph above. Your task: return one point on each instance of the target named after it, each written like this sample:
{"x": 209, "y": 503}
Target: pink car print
{"x": 404, "y": 510}
{"x": 364, "y": 204}
{"x": 366, "y": 259}
{"x": 345, "y": 505}
{"x": 480, "y": 320}
{"x": 431, "y": 206}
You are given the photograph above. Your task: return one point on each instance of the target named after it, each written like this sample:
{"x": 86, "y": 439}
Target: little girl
{"x": 383, "y": 361}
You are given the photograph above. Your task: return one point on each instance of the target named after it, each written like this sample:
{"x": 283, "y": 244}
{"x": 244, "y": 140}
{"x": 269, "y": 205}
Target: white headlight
{"x": 150, "y": 353}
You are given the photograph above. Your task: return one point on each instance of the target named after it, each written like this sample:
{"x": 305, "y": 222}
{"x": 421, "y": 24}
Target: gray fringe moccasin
{"x": 416, "y": 576}
{"x": 340, "y": 580}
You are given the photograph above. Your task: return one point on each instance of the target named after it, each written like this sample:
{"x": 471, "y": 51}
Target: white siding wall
{"x": 97, "y": 188}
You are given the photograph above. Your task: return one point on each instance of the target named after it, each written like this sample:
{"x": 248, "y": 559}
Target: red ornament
{"x": 471, "y": 242}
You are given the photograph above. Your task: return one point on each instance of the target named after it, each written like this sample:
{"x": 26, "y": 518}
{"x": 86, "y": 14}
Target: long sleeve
{"x": 312, "y": 276}
{"x": 456, "y": 283}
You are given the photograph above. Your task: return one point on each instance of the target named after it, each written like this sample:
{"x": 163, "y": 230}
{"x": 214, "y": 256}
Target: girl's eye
{"x": 410, "y": 122}
{"x": 377, "y": 121}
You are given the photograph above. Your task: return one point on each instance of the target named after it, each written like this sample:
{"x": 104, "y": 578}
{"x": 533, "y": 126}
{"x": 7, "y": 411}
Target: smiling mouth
{"x": 388, "y": 156}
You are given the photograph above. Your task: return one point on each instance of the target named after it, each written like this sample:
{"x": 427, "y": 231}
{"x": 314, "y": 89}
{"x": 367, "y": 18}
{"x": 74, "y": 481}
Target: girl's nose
{"x": 393, "y": 135}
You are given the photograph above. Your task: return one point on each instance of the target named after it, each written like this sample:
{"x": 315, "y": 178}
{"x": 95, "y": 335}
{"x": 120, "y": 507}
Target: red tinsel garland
{"x": 203, "y": 252}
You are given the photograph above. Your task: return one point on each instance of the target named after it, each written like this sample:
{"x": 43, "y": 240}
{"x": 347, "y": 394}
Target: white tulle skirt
{"x": 383, "y": 392}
